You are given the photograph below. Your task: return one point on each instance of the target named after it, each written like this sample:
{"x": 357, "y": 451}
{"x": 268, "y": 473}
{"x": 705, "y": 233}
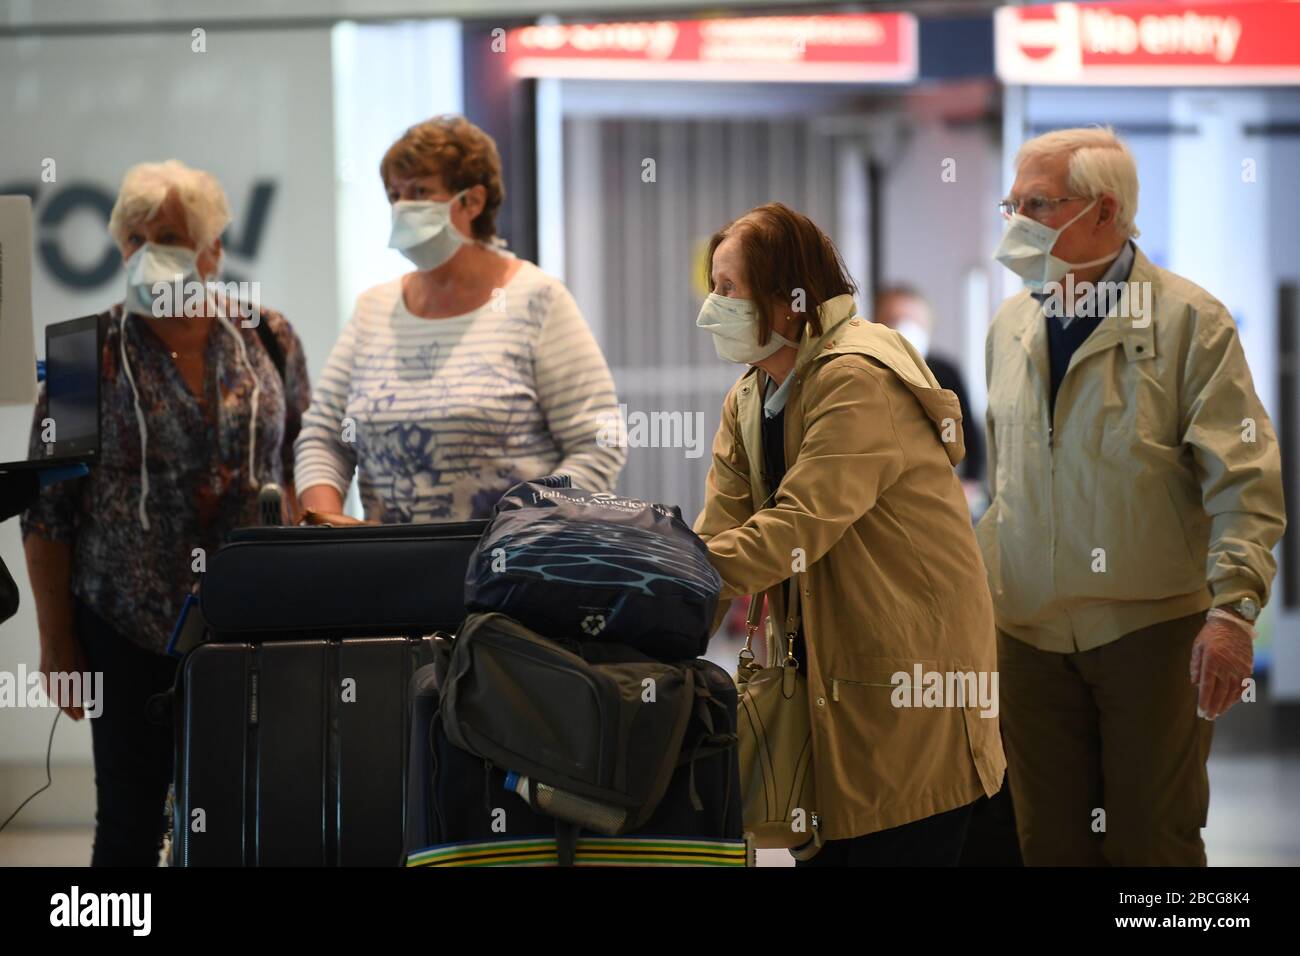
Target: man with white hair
{"x": 1136, "y": 497}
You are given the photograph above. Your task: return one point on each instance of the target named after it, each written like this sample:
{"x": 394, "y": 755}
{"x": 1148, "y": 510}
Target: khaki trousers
{"x": 1105, "y": 753}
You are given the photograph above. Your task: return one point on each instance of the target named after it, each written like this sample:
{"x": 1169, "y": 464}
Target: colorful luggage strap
{"x": 591, "y": 851}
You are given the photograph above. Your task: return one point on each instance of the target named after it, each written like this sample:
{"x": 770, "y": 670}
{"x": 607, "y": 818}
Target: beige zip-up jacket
{"x": 1155, "y": 490}
{"x": 893, "y": 576}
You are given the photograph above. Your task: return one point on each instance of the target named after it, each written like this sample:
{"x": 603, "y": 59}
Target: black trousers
{"x": 133, "y": 755}
{"x": 991, "y": 838}
{"x": 932, "y": 841}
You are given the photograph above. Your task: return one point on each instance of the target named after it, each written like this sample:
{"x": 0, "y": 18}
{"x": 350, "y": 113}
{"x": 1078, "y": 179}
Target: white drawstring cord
{"x": 139, "y": 418}
{"x": 144, "y": 430}
{"x": 257, "y": 392}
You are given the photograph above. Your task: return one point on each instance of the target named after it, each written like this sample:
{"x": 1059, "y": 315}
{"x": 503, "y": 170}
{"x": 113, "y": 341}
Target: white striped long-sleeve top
{"x": 438, "y": 417}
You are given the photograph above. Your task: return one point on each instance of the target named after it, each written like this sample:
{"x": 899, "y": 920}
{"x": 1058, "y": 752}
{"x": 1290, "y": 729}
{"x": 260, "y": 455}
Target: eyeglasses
{"x": 1034, "y": 207}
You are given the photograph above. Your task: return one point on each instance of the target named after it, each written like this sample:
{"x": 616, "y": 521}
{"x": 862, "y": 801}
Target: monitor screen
{"x": 72, "y": 383}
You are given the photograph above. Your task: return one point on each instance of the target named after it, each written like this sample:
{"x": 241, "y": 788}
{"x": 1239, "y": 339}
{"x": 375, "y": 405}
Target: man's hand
{"x": 1222, "y": 658}
{"x": 62, "y": 656}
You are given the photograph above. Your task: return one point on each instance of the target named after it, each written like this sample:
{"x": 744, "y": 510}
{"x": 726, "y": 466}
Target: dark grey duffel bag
{"x": 600, "y": 737}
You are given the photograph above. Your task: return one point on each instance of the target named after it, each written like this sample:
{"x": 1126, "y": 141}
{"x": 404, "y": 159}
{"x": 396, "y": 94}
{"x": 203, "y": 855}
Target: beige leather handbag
{"x": 776, "y": 778}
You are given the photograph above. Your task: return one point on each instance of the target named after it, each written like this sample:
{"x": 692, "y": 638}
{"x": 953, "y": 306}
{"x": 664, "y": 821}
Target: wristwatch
{"x": 1246, "y": 608}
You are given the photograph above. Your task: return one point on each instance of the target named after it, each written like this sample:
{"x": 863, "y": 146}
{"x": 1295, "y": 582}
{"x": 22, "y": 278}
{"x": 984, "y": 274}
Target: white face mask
{"x": 151, "y": 264}
{"x": 916, "y": 333}
{"x": 734, "y": 325}
{"x": 423, "y": 232}
{"x": 1026, "y": 249}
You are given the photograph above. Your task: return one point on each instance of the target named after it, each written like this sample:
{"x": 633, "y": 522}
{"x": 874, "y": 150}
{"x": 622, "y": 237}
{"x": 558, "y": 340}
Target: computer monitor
{"x": 72, "y": 377}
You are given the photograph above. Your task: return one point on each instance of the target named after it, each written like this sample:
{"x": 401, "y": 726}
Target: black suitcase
{"x": 291, "y": 582}
{"x": 460, "y": 811}
{"x": 293, "y": 721}
{"x": 293, "y": 753}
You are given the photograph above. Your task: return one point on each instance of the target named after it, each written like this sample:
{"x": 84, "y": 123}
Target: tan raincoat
{"x": 871, "y": 505}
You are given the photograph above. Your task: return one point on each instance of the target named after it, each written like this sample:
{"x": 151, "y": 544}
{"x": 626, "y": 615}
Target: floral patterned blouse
{"x": 201, "y": 482}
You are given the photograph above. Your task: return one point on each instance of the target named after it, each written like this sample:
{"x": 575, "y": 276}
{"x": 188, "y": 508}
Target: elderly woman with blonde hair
{"x": 201, "y": 398}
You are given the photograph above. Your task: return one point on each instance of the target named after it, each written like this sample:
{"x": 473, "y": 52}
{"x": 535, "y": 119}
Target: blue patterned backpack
{"x": 590, "y": 566}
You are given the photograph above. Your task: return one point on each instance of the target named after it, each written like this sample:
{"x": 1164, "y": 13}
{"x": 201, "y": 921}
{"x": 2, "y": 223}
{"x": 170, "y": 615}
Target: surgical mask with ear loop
{"x": 1026, "y": 249}
{"x": 225, "y": 322}
{"x": 423, "y": 231}
{"x": 151, "y": 264}
{"x": 734, "y": 325}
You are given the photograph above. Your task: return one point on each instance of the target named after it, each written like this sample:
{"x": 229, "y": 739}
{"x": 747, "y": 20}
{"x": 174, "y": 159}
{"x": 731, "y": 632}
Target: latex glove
{"x": 1222, "y": 658}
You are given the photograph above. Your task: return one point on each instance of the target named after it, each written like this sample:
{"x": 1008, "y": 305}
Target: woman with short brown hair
{"x": 833, "y": 472}
{"x": 453, "y": 148}
{"x": 456, "y": 381}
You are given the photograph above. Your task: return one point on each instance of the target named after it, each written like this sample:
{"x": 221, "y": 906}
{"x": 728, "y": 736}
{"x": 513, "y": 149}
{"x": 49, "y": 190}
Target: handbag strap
{"x": 792, "y": 613}
{"x": 747, "y": 665}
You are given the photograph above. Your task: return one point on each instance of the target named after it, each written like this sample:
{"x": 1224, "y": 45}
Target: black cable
{"x": 49, "y": 749}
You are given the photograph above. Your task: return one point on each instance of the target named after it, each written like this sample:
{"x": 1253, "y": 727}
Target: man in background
{"x": 905, "y": 310}
{"x": 991, "y": 835}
